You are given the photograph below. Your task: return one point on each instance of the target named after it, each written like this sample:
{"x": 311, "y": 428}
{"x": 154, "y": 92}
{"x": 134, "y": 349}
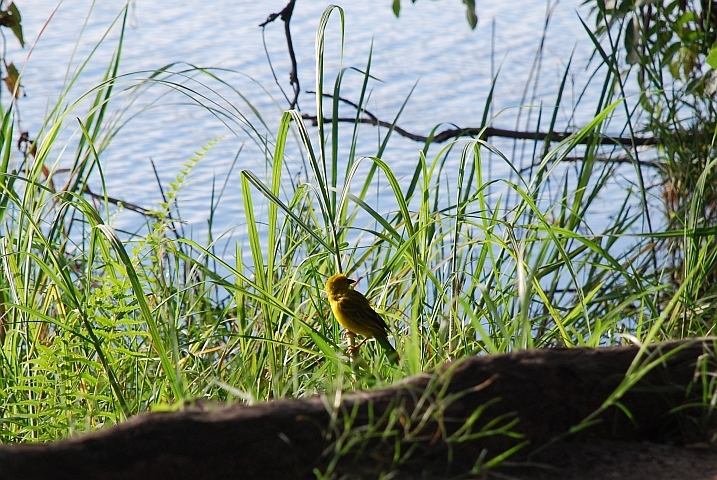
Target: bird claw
{"x": 352, "y": 349}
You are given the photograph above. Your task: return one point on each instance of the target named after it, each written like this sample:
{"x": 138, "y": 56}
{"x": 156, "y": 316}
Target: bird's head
{"x": 338, "y": 283}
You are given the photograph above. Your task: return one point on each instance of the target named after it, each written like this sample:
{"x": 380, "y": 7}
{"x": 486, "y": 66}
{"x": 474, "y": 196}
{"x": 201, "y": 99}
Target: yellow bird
{"x": 355, "y": 314}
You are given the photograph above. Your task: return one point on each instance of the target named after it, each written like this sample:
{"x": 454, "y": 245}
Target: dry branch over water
{"x": 487, "y": 132}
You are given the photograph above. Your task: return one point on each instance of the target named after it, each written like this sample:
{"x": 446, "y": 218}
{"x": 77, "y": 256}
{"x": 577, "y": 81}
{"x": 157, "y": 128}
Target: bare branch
{"x": 285, "y": 16}
{"x": 118, "y": 202}
{"x": 615, "y": 160}
{"x": 484, "y": 133}
{"x": 488, "y": 132}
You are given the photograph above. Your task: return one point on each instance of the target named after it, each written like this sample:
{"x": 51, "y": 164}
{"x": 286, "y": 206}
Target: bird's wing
{"x": 364, "y": 310}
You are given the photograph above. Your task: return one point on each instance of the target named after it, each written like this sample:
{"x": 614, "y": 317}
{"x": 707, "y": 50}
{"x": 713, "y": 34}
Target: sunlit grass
{"x": 97, "y": 327}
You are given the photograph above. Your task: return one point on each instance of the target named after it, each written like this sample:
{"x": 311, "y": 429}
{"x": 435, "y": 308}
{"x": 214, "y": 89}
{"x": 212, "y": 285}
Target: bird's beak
{"x": 351, "y": 281}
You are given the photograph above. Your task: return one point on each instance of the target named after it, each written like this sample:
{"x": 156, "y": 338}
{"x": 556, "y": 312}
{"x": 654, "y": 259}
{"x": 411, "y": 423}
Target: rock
{"x": 446, "y": 422}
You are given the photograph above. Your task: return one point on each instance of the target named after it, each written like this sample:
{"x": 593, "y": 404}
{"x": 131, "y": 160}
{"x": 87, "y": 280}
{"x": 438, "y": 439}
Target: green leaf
{"x": 632, "y": 36}
{"x": 712, "y": 56}
{"x": 12, "y": 81}
{"x": 11, "y": 18}
{"x": 396, "y": 7}
{"x": 471, "y": 13}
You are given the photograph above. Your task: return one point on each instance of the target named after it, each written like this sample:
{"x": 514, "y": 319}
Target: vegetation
{"x": 671, "y": 48}
{"x": 95, "y": 327}
{"x": 471, "y": 15}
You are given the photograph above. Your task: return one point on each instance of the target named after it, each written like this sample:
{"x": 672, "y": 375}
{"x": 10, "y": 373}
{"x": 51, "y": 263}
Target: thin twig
{"x": 616, "y": 160}
{"x": 116, "y": 201}
{"x": 488, "y": 132}
{"x": 271, "y": 67}
{"x": 473, "y": 131}
{"x": 348, "y": 102}
{"x": 285, "y": 16}
{"x": 166, "y": 201}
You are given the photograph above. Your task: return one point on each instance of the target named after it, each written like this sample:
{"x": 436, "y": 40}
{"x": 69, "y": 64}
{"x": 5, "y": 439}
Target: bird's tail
{"x": 391, "y": 352}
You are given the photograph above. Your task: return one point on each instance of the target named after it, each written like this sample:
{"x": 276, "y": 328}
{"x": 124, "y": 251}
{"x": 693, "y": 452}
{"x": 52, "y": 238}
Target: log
{"x": 445, "y": 421}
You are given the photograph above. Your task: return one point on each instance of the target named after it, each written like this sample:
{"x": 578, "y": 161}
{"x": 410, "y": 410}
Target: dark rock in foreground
{"x": 442, "y": 423}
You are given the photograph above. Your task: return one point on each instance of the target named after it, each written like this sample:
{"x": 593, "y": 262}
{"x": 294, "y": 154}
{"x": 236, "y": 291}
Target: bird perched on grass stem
{"x": 355, "y": 314}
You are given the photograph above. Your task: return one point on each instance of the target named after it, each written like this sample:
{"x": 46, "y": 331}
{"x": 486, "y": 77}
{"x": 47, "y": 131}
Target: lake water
{"x": 431, "y": 43}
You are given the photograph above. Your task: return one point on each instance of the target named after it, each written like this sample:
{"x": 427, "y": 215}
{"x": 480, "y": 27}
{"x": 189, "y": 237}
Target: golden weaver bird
{"x": 355, "y": 314}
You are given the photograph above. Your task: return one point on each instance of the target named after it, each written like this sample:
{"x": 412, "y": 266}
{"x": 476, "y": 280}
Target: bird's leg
{"x": 355, "y": 348}
{"x": 362, "y": 342}
{"x": 352, "y": 347}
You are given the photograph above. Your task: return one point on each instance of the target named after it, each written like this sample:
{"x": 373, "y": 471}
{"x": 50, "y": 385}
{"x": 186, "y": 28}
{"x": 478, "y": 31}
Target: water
{"x": 431, "y": 45}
